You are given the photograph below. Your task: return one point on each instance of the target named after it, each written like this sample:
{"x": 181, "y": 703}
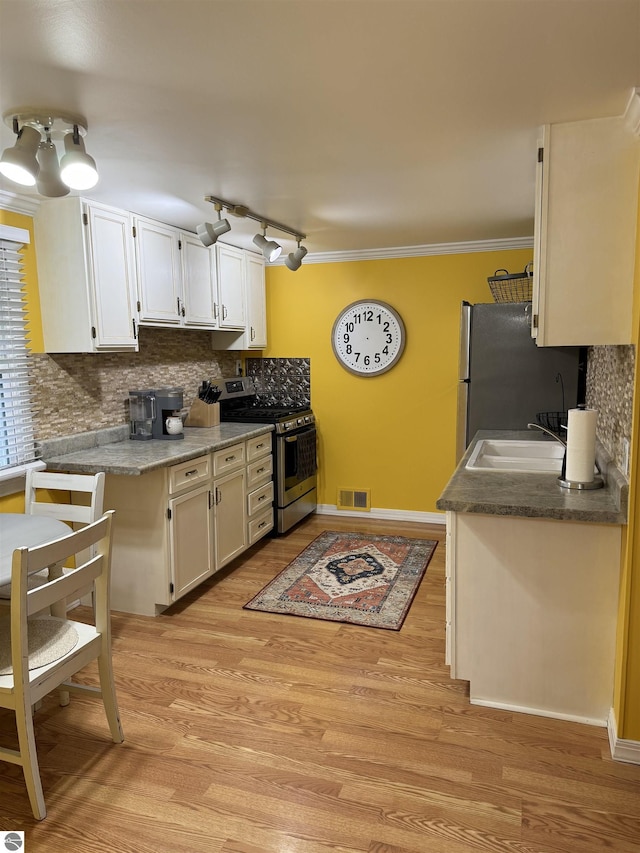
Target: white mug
{"x": 173, "y": 425}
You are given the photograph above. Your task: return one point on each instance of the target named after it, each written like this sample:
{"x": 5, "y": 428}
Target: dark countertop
{"x": 112, "y": 451}
{"x": 534, "y": 495}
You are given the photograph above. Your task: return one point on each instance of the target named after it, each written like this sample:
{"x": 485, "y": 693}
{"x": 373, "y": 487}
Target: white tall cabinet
{"x": 86, "y": 276}
{"x": 585, "y": 233}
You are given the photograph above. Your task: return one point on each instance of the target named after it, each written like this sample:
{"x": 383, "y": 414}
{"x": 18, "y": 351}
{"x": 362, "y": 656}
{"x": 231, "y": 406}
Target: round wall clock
{"x": 368, "y": 337}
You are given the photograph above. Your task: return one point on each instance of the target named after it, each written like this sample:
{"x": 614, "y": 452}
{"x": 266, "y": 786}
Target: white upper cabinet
{"x": 159, "y": 273}
{"x": 199, "y": 279}
{"x": 86, "y": 276}
{"x": 230, "y": 287}
{"x": 585, "y": 233}
{"x": 254, "y": 335}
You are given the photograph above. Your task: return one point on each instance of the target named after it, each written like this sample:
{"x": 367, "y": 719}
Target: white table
{"x": 18, "y": 530}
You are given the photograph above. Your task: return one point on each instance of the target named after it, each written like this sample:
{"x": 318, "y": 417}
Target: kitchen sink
{"x": 533, "y": 457}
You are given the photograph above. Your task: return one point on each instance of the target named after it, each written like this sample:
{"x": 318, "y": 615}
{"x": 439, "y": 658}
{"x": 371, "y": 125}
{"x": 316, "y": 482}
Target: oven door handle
{"x": 290, "y": 438}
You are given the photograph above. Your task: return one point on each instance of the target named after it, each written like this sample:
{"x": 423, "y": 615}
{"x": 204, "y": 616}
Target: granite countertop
{"x": 534, "y": 495}
{"x": 112, "y": 451}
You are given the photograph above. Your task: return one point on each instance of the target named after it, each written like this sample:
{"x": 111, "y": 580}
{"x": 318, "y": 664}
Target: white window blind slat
{"x": 17, "y": 445}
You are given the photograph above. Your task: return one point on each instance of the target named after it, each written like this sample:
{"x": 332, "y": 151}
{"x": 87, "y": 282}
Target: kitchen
{"x": 421, "y": 387}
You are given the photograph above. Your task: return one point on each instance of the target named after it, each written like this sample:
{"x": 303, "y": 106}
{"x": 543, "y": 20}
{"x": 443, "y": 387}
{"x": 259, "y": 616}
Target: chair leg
{"x": 108, "y": 690}
{"x": 29, "y": 758}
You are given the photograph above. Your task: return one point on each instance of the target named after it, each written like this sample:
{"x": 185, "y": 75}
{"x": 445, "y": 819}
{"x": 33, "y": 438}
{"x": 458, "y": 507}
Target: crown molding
{"x": 415, "y": 251}
{"x": 632, "y": 112}
{"x": 18, "y": 203}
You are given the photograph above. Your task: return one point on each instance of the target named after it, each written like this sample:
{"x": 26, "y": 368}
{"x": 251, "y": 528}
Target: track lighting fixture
{"x": 33, "y": 160}
{"x": 294, "y": 259}
{"x": 269, "y": 248}
{"x": 209, "y": 233}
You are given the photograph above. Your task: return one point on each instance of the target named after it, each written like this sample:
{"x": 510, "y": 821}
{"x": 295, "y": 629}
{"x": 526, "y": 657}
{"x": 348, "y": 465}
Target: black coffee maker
{"x": 156, "y": 414}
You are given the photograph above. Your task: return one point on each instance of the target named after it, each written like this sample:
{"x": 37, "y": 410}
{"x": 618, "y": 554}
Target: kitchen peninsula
{"x": 532, "y": 588}
{"x": 184, "y": 509}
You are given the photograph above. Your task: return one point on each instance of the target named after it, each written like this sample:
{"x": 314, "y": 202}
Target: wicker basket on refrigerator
{"x": 512, "y": 287}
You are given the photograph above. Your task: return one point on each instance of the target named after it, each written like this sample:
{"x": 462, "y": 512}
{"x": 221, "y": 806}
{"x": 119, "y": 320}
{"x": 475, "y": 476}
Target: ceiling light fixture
{"x": 270, "y": 249}
{"x": 33, "y": 160}
{"x": 209, "y": 232}
{"x": 294, "y": 259}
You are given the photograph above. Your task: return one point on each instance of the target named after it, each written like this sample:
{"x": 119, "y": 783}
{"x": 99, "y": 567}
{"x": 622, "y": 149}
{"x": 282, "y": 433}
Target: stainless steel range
{"x": 294, "y": 447}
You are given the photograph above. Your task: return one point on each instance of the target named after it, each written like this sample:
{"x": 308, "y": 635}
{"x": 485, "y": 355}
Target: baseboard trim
{"x": 621, "y": 750}
{"x": 539, "y": 712}
{"x": 385, "y": 514}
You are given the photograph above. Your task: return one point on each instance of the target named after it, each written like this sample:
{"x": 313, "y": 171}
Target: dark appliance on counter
{"x": 156, "y": 413}
{"x": 293, "y": 444}
{"x": 506, "y": 381}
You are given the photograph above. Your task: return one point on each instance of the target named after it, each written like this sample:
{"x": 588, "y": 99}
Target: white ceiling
{"x": 363, "y": 123}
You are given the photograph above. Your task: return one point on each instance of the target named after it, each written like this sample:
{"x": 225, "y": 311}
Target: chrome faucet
{"x": 548, "y": 432}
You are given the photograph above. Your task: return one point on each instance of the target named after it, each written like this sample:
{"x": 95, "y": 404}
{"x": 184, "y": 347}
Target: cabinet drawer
{"x": 260, "y": 525}
{"x": 259, "y": 471}
{"x": 187, "y": 474}
{"x": 228, "y": 459}
{"x": 259, "y": 498}
{"x": 259, "y": 446}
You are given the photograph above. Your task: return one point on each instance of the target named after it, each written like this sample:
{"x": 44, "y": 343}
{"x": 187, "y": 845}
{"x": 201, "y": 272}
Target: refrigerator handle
{"x": 465, "y": 342}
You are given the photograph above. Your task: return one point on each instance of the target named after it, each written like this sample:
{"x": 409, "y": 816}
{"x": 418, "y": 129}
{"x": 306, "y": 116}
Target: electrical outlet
{"x": 625, "y": 457}
{"x": 238, "y": 367}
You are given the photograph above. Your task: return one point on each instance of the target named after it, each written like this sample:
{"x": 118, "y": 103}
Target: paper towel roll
{"x": 581, "y": 445}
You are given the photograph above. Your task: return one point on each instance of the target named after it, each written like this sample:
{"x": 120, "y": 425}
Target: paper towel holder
{"x": 596, "y": 483}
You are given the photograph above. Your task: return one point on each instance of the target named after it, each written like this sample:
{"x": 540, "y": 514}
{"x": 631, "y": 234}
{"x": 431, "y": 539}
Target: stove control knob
{"x": 307, "y": 419}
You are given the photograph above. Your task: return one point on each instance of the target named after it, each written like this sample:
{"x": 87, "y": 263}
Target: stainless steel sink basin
{"x": 533, "y": 457}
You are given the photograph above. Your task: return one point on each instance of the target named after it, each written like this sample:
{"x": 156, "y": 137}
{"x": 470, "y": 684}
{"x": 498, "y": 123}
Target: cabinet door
{"x": 190, "y": 539}
{"x": 159, "y": 273}
{"x": 230, "y": 287}
{"x": 585, "y": 233}
{"x": 199, "y": 282}
{"x": 230, "y": 517}
{"x": 113, "y": 278}
{"x": 256, "y": 336}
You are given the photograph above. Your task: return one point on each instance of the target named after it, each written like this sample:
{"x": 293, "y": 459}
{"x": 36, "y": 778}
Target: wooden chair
{"x": 86, "y": 493}
{"x": 20, "y": 690}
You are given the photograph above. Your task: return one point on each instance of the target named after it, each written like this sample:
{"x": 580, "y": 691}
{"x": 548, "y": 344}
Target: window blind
{"x": 17, "y": 445}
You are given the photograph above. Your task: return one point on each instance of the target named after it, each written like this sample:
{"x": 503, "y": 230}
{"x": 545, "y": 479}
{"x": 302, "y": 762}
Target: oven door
{"x": 296, "y": 464}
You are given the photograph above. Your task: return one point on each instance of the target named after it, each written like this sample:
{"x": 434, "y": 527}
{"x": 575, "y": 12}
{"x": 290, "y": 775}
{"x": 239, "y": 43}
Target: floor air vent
{"x": 359, "y": 499}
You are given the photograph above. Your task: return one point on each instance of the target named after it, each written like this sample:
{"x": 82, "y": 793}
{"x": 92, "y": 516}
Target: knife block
{"x": 203, "y": 414}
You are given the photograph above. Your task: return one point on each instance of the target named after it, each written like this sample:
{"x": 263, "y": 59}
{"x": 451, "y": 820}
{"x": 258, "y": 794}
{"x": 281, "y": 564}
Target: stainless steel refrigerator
{"x": 505, "y": 379}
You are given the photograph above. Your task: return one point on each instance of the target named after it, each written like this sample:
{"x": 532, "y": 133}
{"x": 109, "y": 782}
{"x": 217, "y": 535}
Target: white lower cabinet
{"x": 178, "y": 525}
{"x": 531, "y": 613}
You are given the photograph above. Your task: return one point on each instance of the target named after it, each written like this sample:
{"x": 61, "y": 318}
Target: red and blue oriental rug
{"x": 357, "y": 578}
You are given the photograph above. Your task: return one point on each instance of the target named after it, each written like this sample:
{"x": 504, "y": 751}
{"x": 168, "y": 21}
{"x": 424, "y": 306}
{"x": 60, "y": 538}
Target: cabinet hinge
{"x": 133, "y": 230}
{"x": 169, "y": 514}
{"x": 540, "y": 155}
{"x": 85, "y": 219}
{"x": 93, "y": 332}
{"x": 139, "y": 306}
{"x": 179, "y": 245}
{"x": 171, "y": 588}
{"x": 534, "y": 322}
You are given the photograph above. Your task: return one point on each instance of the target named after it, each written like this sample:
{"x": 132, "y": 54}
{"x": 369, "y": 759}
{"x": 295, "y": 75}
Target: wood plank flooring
{"x": 249, "y": 732}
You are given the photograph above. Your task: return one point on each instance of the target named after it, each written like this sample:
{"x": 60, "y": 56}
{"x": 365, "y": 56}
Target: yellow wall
{"x": 393, "y": 434}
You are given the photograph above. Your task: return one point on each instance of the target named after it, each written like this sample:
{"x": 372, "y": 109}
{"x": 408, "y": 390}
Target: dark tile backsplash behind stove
{"x": 281, "y": 381}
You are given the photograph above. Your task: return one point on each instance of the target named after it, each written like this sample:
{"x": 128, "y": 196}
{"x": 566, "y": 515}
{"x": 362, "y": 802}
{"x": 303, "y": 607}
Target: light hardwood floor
{"x": 254, "y": 733}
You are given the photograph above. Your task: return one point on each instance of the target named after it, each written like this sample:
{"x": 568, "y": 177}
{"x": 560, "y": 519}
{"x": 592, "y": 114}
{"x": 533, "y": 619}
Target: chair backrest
{"x": 84, "y": 512}
{"x": 96, "y": 538}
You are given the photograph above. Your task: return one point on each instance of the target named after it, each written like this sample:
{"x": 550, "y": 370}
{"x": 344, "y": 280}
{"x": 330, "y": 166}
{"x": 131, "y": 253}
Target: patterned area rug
{"x": 350, "y": 577}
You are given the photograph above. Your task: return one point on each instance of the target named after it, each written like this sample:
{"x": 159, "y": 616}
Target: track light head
{"x": 48, "y": 182}
{"x": 19, "y": 163}
{"x": 269, "y": 248}
{"x": 294, "y": 259}
{"x": 77, "y": 169}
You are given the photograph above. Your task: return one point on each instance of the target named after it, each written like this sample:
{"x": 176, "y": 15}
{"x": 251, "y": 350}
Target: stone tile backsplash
{"x": 610, "y": 375}
{"x": 75, "y": 392}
